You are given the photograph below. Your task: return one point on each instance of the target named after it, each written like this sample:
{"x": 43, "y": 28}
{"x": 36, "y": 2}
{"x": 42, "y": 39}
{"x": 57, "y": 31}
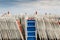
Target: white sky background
{"x": 30, "y": 7}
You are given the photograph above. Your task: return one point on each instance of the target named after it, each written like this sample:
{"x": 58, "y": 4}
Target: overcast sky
{"x": 30, "y": 6}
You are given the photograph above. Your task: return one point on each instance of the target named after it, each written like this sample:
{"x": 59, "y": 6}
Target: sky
{"x": 30, "y": 6}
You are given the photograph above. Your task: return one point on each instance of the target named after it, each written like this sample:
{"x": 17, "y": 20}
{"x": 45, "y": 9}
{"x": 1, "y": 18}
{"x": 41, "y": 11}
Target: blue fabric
{"x": 31, "y": 28}
{"x": 31, "y": 33}
{"x": 31, "y": 24}
{"x": 31, "y": 38}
